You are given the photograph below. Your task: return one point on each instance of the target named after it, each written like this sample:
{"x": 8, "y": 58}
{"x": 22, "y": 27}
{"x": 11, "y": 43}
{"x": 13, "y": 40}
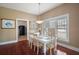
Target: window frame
{"x": 55, "y": 19}
{"x": 67, "y": 28}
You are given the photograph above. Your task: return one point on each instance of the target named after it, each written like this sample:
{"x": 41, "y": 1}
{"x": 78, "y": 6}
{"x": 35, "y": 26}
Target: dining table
{"x": 44, "y": 40}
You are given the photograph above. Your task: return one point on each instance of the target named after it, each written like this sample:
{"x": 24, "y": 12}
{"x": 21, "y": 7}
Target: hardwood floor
{"x": 19, "y": 48}
{"x": 22, "y": 48}
{"x": 68, "y": 51}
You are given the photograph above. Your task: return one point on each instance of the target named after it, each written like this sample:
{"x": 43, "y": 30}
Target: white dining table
{"x": 45, "y": 40}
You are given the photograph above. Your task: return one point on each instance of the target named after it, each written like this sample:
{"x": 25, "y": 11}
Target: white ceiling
{"x": 31, "y": 8}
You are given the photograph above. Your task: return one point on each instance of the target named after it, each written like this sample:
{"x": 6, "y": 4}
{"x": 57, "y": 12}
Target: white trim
{"x": 17, "y": 19}
{"x": 27, "y": 30}
{"x": 16, "y": 30}
{"x": 8, "y": 42}
{"x": 69, "y": 46}
{"x": 56, "y": 17}
{"x": 68, "y": 24}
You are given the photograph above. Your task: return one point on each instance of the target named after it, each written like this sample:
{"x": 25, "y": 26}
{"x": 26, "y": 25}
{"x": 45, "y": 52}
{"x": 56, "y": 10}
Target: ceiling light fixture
{"x": 39, "y": 21}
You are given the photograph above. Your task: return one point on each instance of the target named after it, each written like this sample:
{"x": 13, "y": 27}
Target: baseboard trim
{"x": 8, "y": 42}
{"x": 69, "y": 47}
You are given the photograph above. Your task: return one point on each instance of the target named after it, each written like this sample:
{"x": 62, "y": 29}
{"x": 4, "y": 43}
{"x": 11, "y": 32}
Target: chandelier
{"x": 39, "y": 21}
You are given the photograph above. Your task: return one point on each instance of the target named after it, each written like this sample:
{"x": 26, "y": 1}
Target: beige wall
{"x": 9, "y": 34}
{"x": 73, "y": 10}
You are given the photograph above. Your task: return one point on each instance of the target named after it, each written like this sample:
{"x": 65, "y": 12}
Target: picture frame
{"x": 8, "y": 23}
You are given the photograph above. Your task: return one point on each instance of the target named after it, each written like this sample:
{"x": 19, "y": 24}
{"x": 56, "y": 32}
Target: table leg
{"x": 44, "y": 48}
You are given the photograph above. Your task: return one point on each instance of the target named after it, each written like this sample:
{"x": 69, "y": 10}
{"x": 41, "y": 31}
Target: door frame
{"x": 19, "y": 19}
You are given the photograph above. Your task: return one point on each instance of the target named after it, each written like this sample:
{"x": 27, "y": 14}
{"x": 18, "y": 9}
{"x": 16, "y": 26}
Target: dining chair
{"x": 31, "y": 40}
{"x": 37, "y": 44}
{"x": 51, "y": 45}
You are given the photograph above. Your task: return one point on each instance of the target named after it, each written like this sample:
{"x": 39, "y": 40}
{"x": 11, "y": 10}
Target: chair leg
{"x": 50, "y": 51}
{"x": 31, "y": 45}
{"x": 34, "y": 48}
{"x": 37, "y": 50}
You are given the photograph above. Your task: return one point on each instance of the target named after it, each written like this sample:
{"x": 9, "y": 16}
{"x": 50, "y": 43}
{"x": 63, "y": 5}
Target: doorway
{"x": 21, "y": 29}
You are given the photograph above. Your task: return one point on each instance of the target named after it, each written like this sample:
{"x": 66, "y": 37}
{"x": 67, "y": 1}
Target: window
{"x": 32, "y": 26}
{"x": 59, "y": 25}
{"x": 62, "y": 28}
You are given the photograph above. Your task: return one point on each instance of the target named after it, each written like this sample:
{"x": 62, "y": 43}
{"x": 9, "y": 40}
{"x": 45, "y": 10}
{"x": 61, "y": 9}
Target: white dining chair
{"x": 30, "y": 40}
{"x": 37, "y": 44}
{"x": 51, "y": 46}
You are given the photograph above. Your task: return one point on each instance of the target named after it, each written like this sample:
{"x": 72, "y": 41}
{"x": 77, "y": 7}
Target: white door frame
{"x": 18, "y": 19}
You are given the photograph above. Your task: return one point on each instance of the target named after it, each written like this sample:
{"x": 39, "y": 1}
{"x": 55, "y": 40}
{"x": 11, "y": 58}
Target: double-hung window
{"x": 63, "y": 28}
